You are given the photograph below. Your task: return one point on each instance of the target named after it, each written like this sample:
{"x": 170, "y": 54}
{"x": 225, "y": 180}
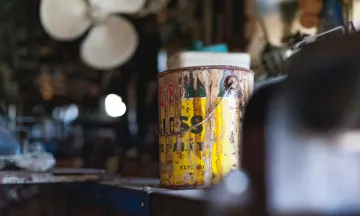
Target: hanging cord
{"x": 231, "y": 83}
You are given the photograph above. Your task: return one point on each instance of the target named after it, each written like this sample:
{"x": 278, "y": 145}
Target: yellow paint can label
{"x": 183, "y": 162}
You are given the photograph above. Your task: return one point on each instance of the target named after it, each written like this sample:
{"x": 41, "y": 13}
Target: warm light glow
{"x": 114, "y": 106}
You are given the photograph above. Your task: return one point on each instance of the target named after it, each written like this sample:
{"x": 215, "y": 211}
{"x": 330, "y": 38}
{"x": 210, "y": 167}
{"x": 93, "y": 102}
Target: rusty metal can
{"x": 200, "y": 110}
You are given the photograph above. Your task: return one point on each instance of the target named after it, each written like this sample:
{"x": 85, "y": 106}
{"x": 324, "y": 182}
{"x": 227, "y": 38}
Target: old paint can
{"x": 200, "y": 110}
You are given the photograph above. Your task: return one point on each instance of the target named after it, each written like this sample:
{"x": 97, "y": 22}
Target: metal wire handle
{"x": 231, "y": 83}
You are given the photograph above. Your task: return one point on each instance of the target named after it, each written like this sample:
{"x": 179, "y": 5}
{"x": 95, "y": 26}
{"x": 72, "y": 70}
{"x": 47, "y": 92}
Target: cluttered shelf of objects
{"x": 54, "y": 176}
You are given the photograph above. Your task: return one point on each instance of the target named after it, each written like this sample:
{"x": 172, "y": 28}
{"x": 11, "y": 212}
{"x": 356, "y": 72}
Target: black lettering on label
{"x": 191, "y": 167}
{"x": 200, "y": 145}
{"x": 194, "y": 121}
{"x": 162, "y": 148}
{"x": 184, "y": 124}
{"x": 183, "y": 120}
{"x": 172, "y": 125}
{"x": 183, "y": 147}
{"x": 186, "y": 167}
{"x": 200, "y": 167}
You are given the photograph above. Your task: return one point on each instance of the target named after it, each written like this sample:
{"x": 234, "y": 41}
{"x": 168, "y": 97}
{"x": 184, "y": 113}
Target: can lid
{"x": 207, "y": 67}
{"x": 189, "y": 59}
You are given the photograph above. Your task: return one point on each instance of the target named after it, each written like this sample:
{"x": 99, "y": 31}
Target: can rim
{"x": 226, "y": 67}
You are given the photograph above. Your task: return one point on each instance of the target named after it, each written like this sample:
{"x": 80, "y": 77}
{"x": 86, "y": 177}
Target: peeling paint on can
{"x": 200, "y": 123}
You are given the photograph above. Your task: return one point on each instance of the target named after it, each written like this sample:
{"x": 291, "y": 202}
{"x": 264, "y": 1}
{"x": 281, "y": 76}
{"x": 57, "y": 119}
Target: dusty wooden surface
{"x": 56, "y": 200}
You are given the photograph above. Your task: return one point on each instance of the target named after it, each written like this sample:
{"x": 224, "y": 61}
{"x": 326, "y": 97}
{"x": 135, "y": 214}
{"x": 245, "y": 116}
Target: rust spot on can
{"x": 200, "y": 110}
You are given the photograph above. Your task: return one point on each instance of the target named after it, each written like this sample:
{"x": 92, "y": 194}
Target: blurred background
{"x": 58, "y": 96}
